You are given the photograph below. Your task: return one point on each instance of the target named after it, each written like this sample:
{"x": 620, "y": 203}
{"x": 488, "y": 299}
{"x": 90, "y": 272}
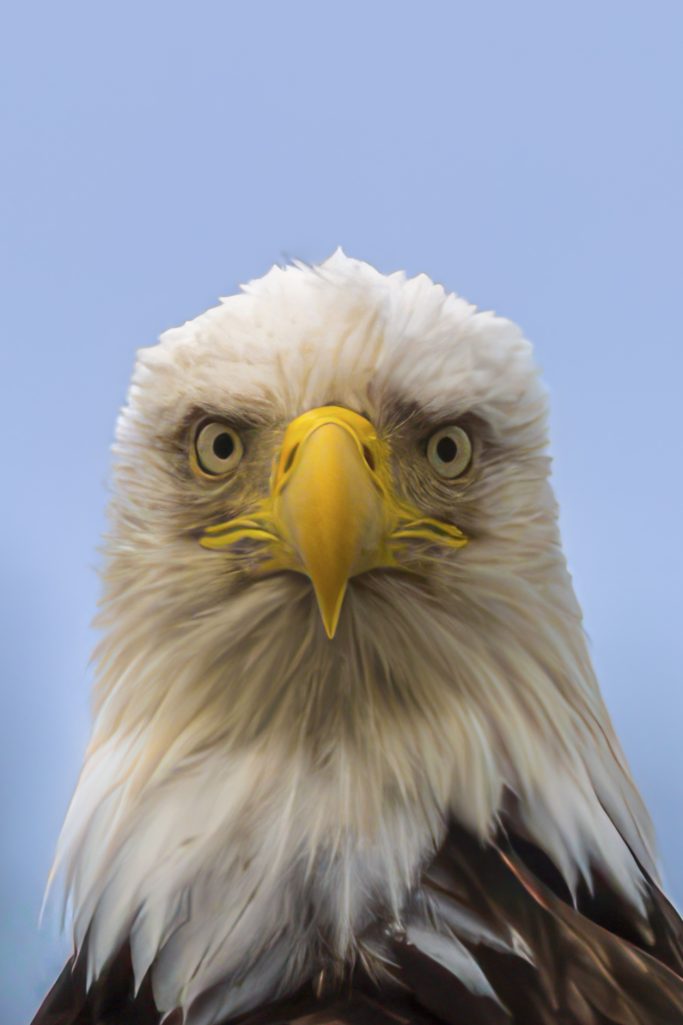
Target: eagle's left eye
{"x": 218, "y": 448}
{"x": 449, "y": 451}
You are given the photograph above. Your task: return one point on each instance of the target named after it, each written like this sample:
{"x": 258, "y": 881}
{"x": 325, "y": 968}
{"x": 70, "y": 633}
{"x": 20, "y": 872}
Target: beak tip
{"x": 330, "y": 611}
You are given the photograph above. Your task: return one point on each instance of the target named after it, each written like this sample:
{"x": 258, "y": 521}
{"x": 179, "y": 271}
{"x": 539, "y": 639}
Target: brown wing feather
{"x": 491, "y": 938}
{"x": 111, "y": 1000}
{"x": 569, "y": 968}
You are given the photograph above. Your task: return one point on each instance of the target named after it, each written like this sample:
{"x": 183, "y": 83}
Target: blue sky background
{"x": 154, "y": 155}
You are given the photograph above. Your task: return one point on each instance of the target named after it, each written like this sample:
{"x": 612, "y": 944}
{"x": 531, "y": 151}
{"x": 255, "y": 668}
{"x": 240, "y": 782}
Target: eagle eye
{"x": 449, "y": 451}
{"x": 218, "y": 448}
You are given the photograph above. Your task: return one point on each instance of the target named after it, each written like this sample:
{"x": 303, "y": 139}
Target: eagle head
{"x": 336, "y": 616}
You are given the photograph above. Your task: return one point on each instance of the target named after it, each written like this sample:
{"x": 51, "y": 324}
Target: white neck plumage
{"x": 238, "y": 805}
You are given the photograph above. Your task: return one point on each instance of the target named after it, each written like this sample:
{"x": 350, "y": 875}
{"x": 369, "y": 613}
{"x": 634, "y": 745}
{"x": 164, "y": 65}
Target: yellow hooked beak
{"x": 329, "y": 503}
{"x": 332, "y": 513}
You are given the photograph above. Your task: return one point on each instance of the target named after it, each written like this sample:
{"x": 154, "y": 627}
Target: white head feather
{"x": 251, "y": 786}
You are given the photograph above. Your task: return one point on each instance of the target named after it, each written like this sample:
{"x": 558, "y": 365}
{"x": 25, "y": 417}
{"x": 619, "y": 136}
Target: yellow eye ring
{"x": 449, "y": 451}
{"x": 218, "y": 448}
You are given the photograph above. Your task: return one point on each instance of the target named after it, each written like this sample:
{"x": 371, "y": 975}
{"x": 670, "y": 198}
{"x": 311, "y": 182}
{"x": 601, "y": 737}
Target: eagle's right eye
{"x": 218, "y": 448}
{"x": 449, "y": 451}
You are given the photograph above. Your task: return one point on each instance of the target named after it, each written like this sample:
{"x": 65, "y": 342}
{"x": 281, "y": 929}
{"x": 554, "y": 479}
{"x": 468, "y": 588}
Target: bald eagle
{"x": 349, "y": 760}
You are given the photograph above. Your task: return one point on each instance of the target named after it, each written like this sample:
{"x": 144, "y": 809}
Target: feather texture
{"x": 257, "y": 803}
{"x": 490, "y": 937}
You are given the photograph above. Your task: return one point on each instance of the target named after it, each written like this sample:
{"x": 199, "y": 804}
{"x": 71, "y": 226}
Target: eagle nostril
{"x": 290, "y": 458}
{"x": 369, "y": 458}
